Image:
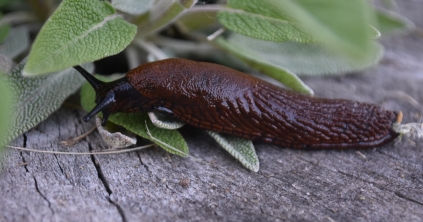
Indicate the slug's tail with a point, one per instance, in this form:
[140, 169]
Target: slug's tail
[99, 87]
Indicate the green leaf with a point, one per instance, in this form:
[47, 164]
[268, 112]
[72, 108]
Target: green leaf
[260, 20]
[78, 32]
[302, 59]
[242, 149]
[38, 97]
[341, 25]
[197, 20]
[170, 140]
[133, 7]
[16, 42]
[258, 7]
[6, 109]
[258, 59]
[165, 122]
[4, 32]
[140, 124]
[161, 14]
[4, 2]
[390, 22]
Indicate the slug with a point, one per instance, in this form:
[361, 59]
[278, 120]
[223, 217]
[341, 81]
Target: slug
[220, 99]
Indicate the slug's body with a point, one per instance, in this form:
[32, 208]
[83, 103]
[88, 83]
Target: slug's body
[217, 98]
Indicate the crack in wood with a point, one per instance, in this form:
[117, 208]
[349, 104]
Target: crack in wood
[402, 196]
[42, 195]
[106, 185]
[398, 194]
[24, 141]
[385, 154]
[21, 153]
[35, 180]
[60, 167]
[394, 157]
[142, 163]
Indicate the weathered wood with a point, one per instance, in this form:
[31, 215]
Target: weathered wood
[150, 185]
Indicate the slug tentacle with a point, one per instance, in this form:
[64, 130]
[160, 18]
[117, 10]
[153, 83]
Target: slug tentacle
[102, 106]
[95, 83]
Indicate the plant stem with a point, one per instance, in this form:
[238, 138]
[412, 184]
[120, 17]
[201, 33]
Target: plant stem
[205, 8]
[151, 48]
[19, 17]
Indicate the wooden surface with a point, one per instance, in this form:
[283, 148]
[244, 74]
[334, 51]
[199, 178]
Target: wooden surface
[383, 184]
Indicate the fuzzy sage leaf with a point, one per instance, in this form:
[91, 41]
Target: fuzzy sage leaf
[302, 59]
[262, 20]
[4, 32]
[78, 32]
[242, 149]
[165, 122]
[38, 97]
[161, 14]
[259, 61]
[335, 23]
[133, 7]
[6, 107]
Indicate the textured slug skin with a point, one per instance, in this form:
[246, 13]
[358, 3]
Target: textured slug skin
[221, 99]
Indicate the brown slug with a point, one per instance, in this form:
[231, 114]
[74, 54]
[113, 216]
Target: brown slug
[218, 98]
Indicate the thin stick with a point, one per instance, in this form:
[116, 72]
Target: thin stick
[215, 34]
[83, 153]
[19, 17]
[362, 155]
[77, 139]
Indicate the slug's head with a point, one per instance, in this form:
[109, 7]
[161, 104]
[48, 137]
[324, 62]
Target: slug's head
[111, 97]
